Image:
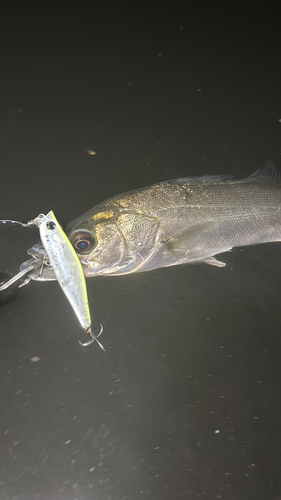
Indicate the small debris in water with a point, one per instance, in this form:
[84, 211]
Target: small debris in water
[35, 359]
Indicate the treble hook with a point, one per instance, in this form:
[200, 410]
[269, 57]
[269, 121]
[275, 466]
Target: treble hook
[94, 338]
[35, 264]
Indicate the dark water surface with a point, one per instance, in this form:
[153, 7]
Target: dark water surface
[186, 402]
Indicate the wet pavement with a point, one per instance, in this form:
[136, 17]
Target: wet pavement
[186, 402]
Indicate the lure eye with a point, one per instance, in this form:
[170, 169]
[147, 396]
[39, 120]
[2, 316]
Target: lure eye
[83, 242]
[51, 225]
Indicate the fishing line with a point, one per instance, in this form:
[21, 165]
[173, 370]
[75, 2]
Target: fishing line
[4, 221]
[33, 222]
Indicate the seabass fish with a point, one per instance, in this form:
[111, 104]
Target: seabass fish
[176, 222]
[179, 221]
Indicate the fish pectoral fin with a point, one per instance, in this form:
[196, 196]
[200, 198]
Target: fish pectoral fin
[198, 243]
[212, 261]
[193, 239]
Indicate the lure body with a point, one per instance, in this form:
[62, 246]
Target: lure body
[66, 266]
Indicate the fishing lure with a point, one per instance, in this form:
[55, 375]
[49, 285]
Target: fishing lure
[61, 256]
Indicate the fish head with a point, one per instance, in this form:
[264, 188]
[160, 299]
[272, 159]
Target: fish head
[113, 240]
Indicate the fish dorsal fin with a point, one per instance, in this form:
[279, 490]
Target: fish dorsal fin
[268, 173]
[203, 178]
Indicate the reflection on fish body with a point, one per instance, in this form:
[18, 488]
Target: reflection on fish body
[176, 222]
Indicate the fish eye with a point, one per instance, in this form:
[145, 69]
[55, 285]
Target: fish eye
[83, 241]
